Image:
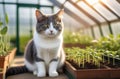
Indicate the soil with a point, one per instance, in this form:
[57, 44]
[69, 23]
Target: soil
[92, 66]
[110, 65]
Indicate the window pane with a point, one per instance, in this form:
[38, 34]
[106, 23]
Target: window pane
[11, 11]
[107, 14]
[67, 22]
[1, 13]
[116, 28]
[46, 10]
[71, 24]
[96, 32]
[75, 0]
[92, 2]
[61, 1]
[114, 5]
[105, 29]
[45, 2]
[1, 0]
[10, 0]
[27, 20]
[79, 13]
[88, 32]
[90, 11]
[28, 1]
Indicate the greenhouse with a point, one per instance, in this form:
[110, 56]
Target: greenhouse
[59, 39]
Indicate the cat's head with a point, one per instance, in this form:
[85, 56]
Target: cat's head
[49, 25]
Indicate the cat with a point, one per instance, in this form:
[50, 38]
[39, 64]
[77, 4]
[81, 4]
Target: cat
[44, 53]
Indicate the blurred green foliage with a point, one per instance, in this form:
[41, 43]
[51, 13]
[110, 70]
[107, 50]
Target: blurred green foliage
[71, 37]
[23, 42]
[110, 43]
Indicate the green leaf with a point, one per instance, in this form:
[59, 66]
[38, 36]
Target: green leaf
[1, 23]
[6, 18]
[4, 30]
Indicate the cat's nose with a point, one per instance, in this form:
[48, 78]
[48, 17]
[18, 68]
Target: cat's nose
[51, 31]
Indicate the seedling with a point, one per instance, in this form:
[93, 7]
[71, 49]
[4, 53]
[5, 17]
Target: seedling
[4, 38]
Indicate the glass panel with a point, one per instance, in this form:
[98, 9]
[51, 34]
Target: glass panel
[46, 10]
[28, 1]
[1, 0]
[105, 29]
[90, 11]
[27, 22]
[96, 32]
[116, 28]
[114, 5]
[79, 13]
[107, 14]
[11, 11]
[89, 33]
[56, 9]
[61, 1]
[26, 15]
[92, 2]
[75, 0]
[45, 2]
[71, 24]
[1, 13]
[10, 0]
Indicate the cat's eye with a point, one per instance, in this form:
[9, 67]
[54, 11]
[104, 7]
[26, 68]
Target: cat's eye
[57, 24]
[46, 25]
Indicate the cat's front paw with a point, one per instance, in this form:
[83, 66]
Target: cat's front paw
[41, 74]
[53, 74]
[35, 72]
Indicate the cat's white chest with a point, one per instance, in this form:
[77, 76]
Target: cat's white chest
[47, 49]
[47, 43]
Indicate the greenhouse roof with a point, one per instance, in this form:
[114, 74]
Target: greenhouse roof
[86, 12]
[91, 12]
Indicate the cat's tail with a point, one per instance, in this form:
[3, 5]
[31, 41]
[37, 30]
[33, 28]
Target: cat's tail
[16, 70]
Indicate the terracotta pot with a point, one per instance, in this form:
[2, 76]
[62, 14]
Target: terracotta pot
[106, 73]
[1, 75]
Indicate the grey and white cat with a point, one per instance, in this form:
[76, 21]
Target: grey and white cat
[44, 53]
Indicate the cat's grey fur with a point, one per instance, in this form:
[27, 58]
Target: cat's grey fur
[44, 53]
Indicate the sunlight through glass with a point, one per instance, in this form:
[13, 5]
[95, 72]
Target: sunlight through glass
[92, 2]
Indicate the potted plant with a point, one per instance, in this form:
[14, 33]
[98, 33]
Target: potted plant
[76, 40]
[6, 55]
[90, 63]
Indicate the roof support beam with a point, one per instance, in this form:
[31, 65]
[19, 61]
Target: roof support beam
[91, 17]
[118, 1]
[109, 9]
[95, 10]
[70, 13]
[26, 4]
[87, 14]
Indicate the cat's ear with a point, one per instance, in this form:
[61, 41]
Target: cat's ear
[39, 15]
[60, 13]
